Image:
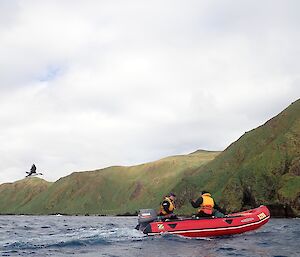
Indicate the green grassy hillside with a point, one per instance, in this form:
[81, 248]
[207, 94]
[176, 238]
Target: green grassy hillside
[15, 196]
[113, 190]
[262, 167]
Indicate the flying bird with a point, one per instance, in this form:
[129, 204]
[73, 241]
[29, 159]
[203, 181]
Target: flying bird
[32, 172]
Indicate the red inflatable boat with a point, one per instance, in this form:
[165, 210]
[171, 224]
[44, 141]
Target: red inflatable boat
[235, 223]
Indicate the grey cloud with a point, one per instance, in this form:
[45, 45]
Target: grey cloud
[89, 84]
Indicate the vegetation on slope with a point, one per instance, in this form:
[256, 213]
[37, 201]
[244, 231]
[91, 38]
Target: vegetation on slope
[14, 196]
[262, 167]
[113, 190]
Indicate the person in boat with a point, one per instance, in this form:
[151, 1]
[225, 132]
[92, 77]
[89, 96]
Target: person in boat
[167, 207]
[207, 206]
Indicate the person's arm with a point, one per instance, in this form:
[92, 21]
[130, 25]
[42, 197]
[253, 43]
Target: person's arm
[197, 203]
[218, 208]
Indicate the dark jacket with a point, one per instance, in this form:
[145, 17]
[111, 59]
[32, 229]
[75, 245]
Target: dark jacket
[166, 208]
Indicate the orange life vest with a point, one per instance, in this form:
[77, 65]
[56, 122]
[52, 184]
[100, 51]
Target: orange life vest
[171, 207]
[207, 204]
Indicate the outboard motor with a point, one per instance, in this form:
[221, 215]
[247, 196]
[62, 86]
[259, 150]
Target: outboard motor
[145, 217]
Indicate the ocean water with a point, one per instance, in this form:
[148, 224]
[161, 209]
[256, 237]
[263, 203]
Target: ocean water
[116, 236]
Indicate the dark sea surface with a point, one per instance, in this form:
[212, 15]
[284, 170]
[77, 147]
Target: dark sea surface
[116, 236]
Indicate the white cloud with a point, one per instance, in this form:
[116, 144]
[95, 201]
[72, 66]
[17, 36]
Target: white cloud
[88, 84]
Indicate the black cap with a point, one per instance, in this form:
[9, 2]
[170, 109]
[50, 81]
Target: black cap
[172, 194]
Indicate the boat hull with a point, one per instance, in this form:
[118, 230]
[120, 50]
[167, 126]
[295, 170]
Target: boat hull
[235, 223]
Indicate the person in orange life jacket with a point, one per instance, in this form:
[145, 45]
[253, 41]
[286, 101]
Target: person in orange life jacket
[207, 206]
[167, 207]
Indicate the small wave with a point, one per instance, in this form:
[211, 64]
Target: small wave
[180, 238]
[21, 246]
[226, 249]
[258, 233]
[78, 238]
[8, 253]
[79, 242]
[61, 244]
[27, 228]
[45, 227]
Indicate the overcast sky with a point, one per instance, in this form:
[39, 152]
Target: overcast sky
[90, 84]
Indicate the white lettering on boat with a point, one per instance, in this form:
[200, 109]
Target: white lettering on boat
[160, 226]
[261, 215]
[247, 220]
